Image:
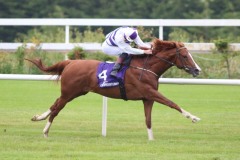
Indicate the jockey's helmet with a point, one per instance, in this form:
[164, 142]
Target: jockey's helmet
[130, 34]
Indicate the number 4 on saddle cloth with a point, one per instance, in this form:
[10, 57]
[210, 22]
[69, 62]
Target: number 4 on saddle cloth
[106, 80]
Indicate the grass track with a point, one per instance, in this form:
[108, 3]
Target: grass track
[76, 132]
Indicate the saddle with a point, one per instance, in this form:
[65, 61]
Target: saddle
[105, 80]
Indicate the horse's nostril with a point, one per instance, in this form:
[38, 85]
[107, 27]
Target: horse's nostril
[196, 70]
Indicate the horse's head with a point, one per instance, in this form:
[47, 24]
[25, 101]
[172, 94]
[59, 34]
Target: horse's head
[176, 54]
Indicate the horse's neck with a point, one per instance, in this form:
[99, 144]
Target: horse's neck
[159, 66]
[162, 61]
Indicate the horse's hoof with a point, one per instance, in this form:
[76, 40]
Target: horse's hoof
[196, 119]
[45, 135]
[35, 118]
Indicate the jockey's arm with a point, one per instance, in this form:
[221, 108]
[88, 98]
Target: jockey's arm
[141, 44]
[126, 48]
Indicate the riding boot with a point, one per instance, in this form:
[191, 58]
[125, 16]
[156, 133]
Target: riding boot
[118, 64]
[115, 69]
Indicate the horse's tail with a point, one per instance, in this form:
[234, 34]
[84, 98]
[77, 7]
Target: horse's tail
[55, 69]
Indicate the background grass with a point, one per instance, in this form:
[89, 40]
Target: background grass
[76, 132]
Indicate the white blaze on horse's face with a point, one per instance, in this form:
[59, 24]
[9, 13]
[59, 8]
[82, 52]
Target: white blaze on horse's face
[194, 62]
[187, 62]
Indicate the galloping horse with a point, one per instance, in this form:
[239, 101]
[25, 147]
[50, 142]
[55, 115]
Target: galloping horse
[78, 77]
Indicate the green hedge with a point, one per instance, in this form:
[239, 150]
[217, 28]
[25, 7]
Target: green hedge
[14, 63]
[213, 65]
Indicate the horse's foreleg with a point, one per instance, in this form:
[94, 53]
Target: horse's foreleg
[148, 113]
[189, 115]
[163, 100]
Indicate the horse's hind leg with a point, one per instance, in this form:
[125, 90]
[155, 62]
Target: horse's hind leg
[58, 106]
[44, 115]
[54, 110]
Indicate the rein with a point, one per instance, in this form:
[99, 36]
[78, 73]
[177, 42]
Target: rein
[143, 69]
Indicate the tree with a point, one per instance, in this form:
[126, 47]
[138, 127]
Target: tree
[222, 47]
[156, 9]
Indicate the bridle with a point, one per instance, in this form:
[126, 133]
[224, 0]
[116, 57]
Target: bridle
[178, 56]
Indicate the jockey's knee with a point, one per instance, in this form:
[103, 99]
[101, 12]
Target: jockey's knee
[124, 55]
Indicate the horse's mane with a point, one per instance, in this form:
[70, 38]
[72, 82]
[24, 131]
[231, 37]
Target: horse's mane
[160, 45]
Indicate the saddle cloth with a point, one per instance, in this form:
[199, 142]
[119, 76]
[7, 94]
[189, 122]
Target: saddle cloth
[105, 79]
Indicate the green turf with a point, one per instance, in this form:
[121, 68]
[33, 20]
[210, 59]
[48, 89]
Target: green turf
[76, 132]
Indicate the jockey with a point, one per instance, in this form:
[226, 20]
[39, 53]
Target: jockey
[118, 42]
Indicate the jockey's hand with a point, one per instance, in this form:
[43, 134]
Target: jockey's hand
[149, 51]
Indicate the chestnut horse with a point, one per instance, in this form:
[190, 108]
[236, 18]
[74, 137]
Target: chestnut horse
[78, 77]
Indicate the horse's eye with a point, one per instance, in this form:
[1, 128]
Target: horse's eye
[185, 57]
